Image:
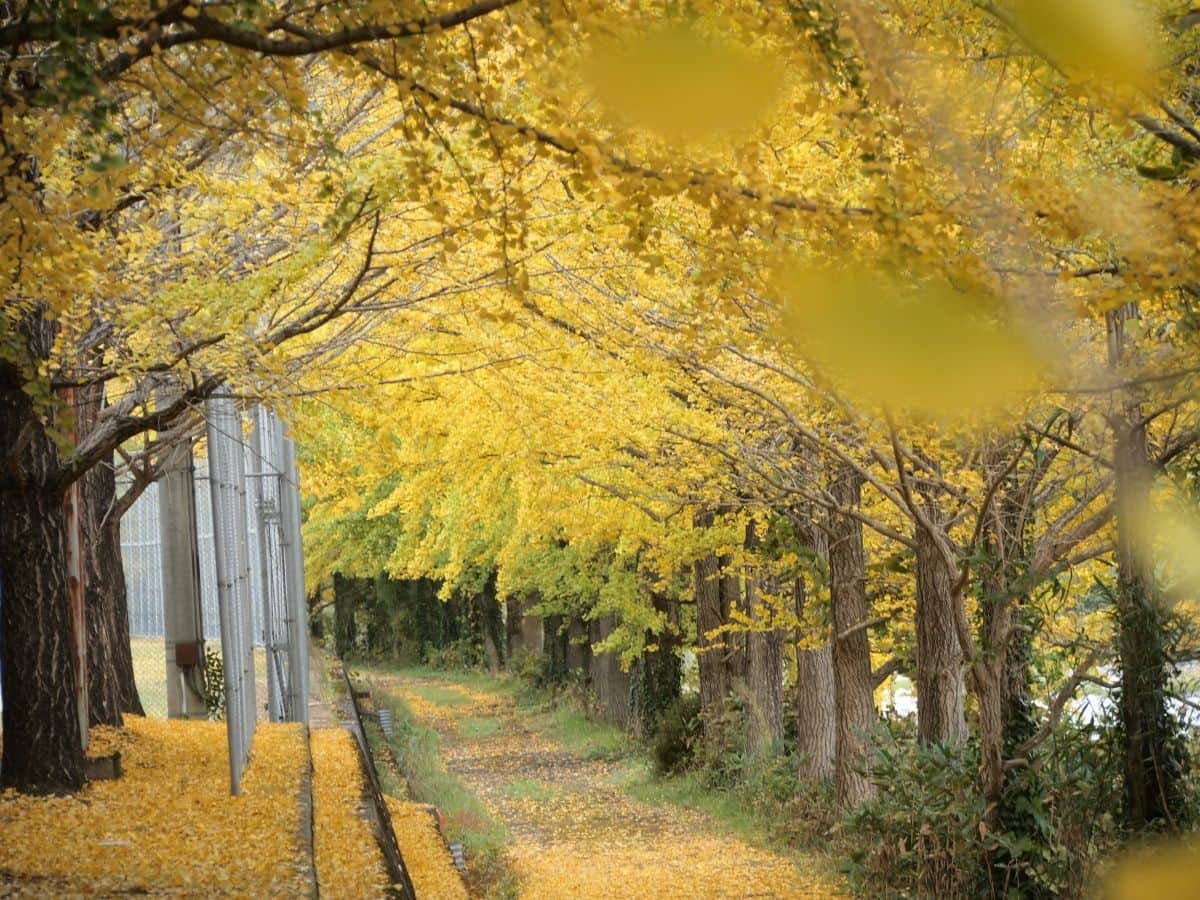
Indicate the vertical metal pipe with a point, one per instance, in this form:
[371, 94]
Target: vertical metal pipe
[227, 486]
[297, 598]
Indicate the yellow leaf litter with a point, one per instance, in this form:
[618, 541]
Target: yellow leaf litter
[169, 825]
[576, 834]
[425, 853]
[349, 863]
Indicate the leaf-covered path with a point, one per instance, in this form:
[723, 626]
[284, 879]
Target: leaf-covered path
[574, 831]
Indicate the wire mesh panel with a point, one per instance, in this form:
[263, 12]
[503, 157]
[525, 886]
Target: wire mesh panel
[141, 555]
[231, 551]
[141, 552]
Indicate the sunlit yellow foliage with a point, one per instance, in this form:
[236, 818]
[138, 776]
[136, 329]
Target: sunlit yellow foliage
[678, 80]
[906, 343]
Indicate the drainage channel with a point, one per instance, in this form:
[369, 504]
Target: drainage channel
[384, 833]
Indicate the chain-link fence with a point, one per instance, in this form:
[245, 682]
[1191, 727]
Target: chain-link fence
[141, 553]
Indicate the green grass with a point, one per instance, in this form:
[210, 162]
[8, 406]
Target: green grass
[479, 727]
[529, 789]
[442, 696]
[566, 722]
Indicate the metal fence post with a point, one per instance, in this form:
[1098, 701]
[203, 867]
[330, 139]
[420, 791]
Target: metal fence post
[227, 482]
[297, 621]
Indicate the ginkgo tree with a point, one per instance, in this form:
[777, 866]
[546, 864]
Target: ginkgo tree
[924, 270]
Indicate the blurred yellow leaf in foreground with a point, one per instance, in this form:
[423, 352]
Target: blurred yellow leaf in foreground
[1168, 870]
[682, 82]
[914, 346]
[1107, 40]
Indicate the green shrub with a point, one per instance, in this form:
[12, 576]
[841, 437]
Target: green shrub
[918, 837]
[528, 666]
[464, 653]
[214, 683]
[677, 736]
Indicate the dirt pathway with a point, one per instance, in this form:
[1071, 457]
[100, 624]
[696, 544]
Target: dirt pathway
[575, 832]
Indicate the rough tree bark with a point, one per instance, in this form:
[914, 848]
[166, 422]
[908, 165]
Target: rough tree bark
[735, 657]
[941, 688]
[554, 647]
[112, 688]
[490, 625]
[764, 668]
[43, 750]
[816, 707]
[658, 674]
[1153, 769]
[579, 650]
[853, 684]
[514, 619]
[1000, 677]
[609, 681]
[710, 651]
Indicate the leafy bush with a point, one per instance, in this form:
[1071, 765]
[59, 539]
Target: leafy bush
[918, 836]
[677, 736]
[926, 833]
[464, 653]
[214, 683]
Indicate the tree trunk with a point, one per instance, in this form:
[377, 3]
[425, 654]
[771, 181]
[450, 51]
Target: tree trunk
[1153, 768]
[43, 750]
[610, 683]
[816, 709]
[579, 651]
[737, 663]
[710, 650]
[940, 684]
[490, 624]
[764, 669]
[554, 646]
[853, 684]
[112, 689]
[345, 600]
[1001, 677]
[659, 673]
[514, 620]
